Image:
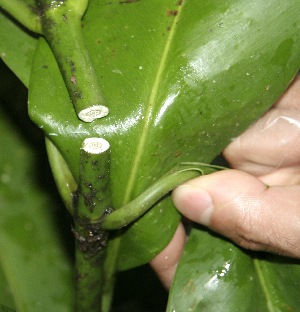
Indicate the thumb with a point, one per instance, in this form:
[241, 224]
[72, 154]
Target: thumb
[242, 208]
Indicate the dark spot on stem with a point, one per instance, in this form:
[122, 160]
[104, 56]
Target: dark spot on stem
[95, 164]
[107, 212]
[172, 12]
[40, 8]
[75, 199]
[89, 201]
[77, 95]
[72, 65]
[48, 24]
[91, 239]
[88, 185]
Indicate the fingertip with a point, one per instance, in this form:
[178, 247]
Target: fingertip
[194, 203]
[218, 200]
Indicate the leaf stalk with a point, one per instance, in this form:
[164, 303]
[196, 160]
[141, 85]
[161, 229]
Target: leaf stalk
[141, 204]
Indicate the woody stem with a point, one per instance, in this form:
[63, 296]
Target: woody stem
[92, 203]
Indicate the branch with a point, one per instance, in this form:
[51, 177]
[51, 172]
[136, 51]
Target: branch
[23, 13]
[61, 22]
[93, 202]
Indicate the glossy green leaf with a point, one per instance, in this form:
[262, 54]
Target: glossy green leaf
[215, 275]
[33, 255]
[17, 47]
[175, 76]
[181, 80]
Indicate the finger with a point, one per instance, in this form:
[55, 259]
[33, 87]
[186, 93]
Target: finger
[290, 99]
[269, 146]
[272, 143]
[165, 263]
[242, 208]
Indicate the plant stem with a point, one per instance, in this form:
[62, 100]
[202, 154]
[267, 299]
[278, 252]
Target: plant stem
[23, 13]
[93, 202]
[61, 22]
[137, 207]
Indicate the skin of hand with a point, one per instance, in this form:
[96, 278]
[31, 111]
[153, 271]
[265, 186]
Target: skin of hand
[256, 204]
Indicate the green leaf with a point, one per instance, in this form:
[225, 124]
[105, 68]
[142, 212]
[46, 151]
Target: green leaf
[5, 309]
[180, 79]
[6, 297]
[215, 275]
[33, 255]
[17, 48]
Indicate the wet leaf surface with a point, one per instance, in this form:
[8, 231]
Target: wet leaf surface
[181, 80]
[173, 84]
[215, 275]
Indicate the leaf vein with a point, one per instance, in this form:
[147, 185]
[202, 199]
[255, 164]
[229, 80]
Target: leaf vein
[151, 103]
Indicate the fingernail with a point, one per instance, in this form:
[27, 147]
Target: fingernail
[194, 203]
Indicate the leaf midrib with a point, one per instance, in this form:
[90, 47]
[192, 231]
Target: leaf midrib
[151, 104]
[264, 286]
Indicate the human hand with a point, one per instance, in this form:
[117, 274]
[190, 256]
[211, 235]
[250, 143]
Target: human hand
[257, 204]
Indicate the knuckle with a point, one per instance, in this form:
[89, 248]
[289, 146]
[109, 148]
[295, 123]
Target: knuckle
[247, 233]
[253, 232]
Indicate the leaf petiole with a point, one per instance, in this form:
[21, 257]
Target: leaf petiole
[23, 13]
[141, 204]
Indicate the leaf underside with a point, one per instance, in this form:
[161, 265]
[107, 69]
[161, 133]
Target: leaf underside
[215, 275]
[17, 53]
[171, 86]
[181, 80]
